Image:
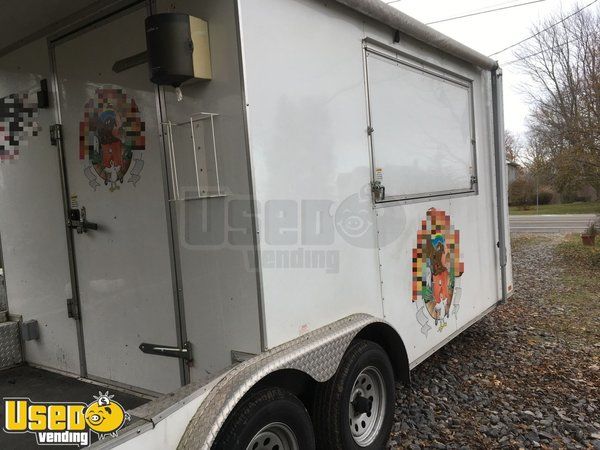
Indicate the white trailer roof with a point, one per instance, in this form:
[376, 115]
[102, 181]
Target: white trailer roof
[390, 16]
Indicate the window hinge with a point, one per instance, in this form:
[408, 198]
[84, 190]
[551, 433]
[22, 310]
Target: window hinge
[474, 180]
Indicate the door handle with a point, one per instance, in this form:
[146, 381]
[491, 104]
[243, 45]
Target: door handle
[78, 221]
[184, 352]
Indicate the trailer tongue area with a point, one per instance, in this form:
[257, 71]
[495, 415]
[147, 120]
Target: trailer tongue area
[30, 382]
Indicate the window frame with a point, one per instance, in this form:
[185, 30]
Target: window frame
[395, 56]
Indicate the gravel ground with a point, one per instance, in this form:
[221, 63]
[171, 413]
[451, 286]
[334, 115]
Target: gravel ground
[526, 376]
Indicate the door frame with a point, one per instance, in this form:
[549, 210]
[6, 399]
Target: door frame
[100, 17]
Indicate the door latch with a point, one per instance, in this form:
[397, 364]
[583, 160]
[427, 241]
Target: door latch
[78, 221]
[378, 190]
[164, 350]
[474, 181]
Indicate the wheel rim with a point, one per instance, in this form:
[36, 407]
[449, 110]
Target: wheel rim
[274, 436]
[367, 406]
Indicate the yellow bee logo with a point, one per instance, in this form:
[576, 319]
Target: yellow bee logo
[105, 416]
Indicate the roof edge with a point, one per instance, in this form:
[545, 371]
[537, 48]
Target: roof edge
[388, 15]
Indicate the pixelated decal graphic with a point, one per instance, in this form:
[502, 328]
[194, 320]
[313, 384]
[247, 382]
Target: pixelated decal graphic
[436, 271]
[111, 139]
[18, 114]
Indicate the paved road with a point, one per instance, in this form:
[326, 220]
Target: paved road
[564, 223]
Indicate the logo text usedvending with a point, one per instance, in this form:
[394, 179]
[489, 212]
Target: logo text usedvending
[65, 423]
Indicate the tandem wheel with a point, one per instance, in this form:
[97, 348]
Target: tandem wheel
[269, 419]
[355, 409]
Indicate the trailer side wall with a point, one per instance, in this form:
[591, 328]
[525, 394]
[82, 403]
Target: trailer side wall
[308, 116]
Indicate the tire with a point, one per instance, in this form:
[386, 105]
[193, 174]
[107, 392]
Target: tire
[271, 419]
[365, 423]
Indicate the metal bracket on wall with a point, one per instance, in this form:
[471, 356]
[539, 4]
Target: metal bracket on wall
[30, 330]
[201, 192]
[43, 96]
[239, 357]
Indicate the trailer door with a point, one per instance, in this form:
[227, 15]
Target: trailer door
[115, 179]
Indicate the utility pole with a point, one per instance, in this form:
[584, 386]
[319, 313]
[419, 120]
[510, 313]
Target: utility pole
[537, 194]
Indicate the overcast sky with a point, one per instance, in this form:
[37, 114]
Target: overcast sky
[489, 33]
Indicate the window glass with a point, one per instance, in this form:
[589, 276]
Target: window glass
[422, 130]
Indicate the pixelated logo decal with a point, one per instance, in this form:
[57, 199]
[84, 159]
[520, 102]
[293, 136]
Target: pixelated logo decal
[111, 139]
[18, 114]
[436, 271]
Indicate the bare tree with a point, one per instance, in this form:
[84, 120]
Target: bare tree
[513, 146]
[563, 64]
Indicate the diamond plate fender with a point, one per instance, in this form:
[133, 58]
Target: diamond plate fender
[317, 353]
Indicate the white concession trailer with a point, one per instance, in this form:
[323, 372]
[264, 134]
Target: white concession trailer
[306, 201]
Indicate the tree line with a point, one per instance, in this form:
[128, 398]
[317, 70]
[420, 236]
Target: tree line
[561, 149]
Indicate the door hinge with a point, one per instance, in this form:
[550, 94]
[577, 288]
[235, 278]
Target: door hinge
[72, 309]
[55, 133]
[165, 350]
[474, 181]
[370, 130]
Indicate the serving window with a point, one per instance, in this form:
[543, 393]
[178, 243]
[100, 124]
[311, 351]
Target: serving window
[421, 129]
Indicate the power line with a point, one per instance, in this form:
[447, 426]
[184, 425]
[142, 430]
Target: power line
[535, 54]
[545, 29]
[485, 12]
[495, 5]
